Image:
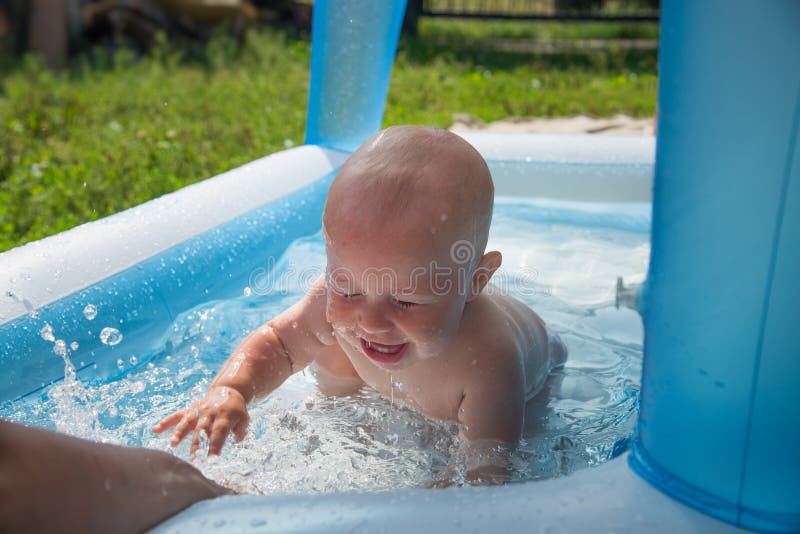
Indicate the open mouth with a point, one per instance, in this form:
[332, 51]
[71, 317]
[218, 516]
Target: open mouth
[383, 353]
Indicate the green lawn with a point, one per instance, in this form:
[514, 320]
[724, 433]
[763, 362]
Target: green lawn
[116, 130]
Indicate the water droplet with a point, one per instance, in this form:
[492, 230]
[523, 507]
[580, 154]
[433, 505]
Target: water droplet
[247, 291]
[120, 364]
[60, 347]
[110, 336]
[134, 360]
[74, 345]
[47, 333]
[90, 311]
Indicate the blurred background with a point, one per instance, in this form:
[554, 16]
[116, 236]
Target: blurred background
[105, 104]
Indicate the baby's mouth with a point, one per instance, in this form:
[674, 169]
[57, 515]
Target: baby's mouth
[383, 353]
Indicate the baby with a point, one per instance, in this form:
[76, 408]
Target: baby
[404, 307]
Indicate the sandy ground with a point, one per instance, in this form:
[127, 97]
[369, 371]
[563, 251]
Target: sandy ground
[617, 125]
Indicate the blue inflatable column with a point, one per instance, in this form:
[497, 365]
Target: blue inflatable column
[353, 48]
[720, 407]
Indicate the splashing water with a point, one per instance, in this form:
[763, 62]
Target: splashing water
[47, 333]
[60, 347]
[302, 441]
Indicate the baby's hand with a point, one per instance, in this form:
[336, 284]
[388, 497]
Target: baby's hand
[223, 410]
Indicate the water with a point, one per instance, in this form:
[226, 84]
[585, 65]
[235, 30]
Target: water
[300, 441]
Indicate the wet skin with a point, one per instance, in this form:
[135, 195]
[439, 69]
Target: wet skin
[51, 482]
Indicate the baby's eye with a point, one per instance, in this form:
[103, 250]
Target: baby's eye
[405, 304]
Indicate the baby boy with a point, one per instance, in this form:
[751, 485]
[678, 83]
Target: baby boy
[404, 307]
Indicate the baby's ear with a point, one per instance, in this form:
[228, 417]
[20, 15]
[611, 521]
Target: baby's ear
[489, 263]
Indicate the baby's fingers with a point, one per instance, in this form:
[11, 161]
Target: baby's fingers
[168, 422]
[219, 431]
[240, 428]
[183, 428]
[201, 426]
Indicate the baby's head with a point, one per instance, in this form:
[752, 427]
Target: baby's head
[406, 224]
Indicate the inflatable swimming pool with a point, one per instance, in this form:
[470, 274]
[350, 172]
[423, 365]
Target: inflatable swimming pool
[719, 427]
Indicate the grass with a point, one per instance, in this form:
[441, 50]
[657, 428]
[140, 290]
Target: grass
[509, 29]
[115, 130]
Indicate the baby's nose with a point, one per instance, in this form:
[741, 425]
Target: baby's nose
[373, 321]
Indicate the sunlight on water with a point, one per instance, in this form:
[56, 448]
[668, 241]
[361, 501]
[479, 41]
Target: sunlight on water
[301, 441]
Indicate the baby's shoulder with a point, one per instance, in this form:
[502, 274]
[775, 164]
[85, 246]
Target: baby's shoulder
[507, 330]
[490, 329]
[304, 326]
[488, 358]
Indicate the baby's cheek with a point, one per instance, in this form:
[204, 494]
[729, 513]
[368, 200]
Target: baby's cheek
[337, 312]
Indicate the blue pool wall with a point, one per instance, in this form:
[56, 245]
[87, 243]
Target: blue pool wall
[719, 423]
[143, 300]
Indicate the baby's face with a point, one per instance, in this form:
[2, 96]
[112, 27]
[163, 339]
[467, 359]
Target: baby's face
[395, 300]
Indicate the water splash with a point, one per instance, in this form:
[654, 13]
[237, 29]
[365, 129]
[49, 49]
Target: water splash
[60, 347]
[301, 441]
[47, 333]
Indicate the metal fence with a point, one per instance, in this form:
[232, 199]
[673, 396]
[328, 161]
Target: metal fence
[544, 10]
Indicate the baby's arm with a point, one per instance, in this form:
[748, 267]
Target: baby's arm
[491, 416]
[258, 366]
